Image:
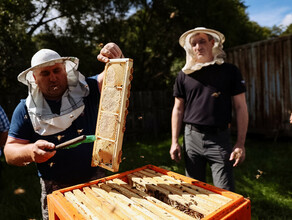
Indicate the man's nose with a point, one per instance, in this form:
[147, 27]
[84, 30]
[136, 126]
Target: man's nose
[197, 46]
[53, 77]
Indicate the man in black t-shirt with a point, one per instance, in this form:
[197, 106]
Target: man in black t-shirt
[204, 92]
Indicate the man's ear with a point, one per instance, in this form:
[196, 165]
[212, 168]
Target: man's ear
[213, 42]
[34, 76]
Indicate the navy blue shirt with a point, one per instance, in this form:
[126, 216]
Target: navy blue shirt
[207, 94]
[68, 165]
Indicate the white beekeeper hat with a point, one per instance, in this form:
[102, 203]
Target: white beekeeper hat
[44, 121]
[46, 57]
[218, 37]
[217, 50]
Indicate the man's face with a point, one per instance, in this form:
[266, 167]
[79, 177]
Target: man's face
[52, 80]
[202, 47]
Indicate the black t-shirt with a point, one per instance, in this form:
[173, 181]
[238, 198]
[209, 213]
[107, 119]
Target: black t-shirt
[207, 94]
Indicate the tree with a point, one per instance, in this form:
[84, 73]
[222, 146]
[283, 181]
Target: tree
[14, 42]
[149, 34]
[288, 30]
[26, 26]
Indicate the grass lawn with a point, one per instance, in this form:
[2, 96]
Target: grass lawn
[265, 177]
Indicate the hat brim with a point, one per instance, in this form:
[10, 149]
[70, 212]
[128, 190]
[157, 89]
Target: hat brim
[22, 77]
[214, 33]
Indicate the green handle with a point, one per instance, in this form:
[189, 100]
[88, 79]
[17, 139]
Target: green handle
[78, 141]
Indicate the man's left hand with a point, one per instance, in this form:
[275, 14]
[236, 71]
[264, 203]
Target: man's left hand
[238, 154]
[109, 51]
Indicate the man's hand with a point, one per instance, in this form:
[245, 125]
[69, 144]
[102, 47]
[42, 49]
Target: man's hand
[175, 152]
[109, 51]
[238, 154]
[291, 118]
[41, 151]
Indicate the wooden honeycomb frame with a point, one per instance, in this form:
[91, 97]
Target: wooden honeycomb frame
[112, 113]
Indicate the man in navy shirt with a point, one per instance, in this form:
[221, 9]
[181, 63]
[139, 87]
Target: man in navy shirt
[61, 105]
[204, 92]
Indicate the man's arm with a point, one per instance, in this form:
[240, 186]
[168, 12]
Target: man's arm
[240, 106]
[176, 123]
[20, 152]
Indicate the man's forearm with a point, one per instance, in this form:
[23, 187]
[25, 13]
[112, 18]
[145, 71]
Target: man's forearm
[242, 125]
[176, 123]
[18, 154]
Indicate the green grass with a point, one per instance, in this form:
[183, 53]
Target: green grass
[14, 203]
[270, 192]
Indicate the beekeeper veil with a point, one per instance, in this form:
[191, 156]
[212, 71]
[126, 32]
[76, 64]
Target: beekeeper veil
[218, 53]
[44, 121]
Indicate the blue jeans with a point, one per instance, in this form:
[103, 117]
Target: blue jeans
[213, 148]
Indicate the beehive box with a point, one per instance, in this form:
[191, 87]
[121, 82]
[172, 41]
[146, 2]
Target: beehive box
[148, 192]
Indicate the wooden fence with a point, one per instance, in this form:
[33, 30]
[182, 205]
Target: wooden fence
[149, 114]
[267, 69]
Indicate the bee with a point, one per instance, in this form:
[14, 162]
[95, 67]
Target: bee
[216, 94]
[51, 164]
[19, 191]
[59, 137]
[172, 15]
[259, 175]
[79, 131]
[260, 172]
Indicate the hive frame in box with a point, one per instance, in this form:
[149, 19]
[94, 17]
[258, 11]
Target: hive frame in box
[237, 208]
[107, 150]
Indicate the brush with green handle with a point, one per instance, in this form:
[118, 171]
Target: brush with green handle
[75, 142]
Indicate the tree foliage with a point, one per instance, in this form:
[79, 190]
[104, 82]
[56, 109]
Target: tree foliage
[146, 30]
[288, 30]
[13, 38]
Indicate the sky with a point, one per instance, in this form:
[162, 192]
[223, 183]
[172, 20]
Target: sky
[270, 12]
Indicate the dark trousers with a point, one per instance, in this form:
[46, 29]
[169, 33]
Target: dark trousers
[214, 148]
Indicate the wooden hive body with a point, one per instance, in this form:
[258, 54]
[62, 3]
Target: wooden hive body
[148, 192]
[111, 120]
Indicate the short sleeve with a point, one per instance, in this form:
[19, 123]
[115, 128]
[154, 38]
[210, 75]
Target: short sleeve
[238, 84]
[21, 126]
[178, 88]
